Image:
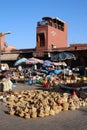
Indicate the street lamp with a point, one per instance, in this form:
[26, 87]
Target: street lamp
[1, 35]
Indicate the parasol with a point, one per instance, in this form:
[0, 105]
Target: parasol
[33, 61]
[47, 63]
[63, 56]
[59, 63]
[20, 61]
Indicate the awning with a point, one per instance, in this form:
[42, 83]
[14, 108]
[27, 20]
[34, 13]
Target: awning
[9, 57]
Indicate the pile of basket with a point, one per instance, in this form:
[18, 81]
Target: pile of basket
[39, 103]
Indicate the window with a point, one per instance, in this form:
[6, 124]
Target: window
[41, 39]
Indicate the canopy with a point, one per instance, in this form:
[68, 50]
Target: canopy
[63, 56]
[33, 61]
[9, 57]
[47, 63]
[20, 61]
[59, 63]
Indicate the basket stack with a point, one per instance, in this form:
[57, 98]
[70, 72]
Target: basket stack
[39, 103]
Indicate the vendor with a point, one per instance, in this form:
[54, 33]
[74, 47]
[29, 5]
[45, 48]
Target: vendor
[6, 84]
[3, 67]
[54, 71]
[20, 68]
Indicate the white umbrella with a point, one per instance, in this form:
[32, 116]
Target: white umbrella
[33, 61]
[59, 63]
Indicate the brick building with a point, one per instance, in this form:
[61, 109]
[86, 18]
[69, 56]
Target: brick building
[51, 33]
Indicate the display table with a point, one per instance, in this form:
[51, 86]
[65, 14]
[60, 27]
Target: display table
[75, 86]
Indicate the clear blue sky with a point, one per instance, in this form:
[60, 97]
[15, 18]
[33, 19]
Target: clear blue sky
[20, 17]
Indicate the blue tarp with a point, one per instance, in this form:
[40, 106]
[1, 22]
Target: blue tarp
[51, 71]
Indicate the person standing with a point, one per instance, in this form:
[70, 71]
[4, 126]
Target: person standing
[20, 68]
[3, 67]
[35, 67]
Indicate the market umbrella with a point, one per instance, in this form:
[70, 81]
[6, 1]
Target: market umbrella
[63, 56]
[59, 63]
[20, 61]
[47, 63]
[33, 61]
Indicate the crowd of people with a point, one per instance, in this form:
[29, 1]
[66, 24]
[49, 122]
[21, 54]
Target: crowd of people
[48, 76]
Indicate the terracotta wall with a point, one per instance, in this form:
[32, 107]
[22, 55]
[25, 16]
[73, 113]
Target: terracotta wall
[57, 37]
[3, 47]
[2, 41]
[80, 46]
[52, 36]
[39, 30]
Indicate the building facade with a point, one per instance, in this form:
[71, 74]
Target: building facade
[51, 38]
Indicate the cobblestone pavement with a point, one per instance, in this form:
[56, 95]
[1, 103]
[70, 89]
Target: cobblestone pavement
[69, 120]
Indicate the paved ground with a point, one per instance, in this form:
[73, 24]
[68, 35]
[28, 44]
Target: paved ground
[70, 120]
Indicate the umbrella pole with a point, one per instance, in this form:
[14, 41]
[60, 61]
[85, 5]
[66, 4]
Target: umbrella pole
[64, 71]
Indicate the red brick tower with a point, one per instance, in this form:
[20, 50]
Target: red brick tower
[51, 33]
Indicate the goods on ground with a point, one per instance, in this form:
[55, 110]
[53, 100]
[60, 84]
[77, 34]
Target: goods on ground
[39, 103]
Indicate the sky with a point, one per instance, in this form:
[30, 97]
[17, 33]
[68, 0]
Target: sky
[20, 17]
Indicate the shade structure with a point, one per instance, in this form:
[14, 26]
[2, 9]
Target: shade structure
[63, 56]
[59, 64]
[47, 63]
[33, 61]
[20, 61]
[9, 57]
